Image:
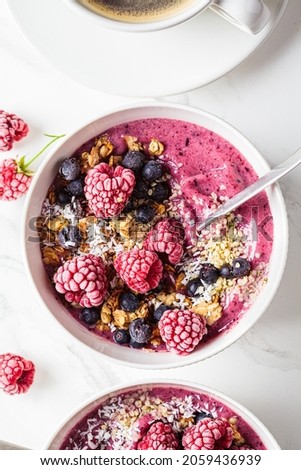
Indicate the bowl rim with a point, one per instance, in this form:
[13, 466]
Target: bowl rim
[250, 418]
[281, 257]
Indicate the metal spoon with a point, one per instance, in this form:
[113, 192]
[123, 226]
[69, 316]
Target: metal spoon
[250, 191]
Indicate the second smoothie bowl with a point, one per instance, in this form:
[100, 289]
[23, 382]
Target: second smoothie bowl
[112, 242]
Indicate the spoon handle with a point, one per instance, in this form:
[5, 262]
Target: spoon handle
[250, 191]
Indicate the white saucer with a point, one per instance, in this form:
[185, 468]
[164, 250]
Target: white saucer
[153, 64]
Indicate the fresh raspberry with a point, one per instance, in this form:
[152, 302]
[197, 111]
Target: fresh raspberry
[83, 280]
[12, 128]
[182, 330]
[13, 182]
[108, 189]
[160, 436]
[16, 373]
[208, 434]
[141, 270]
[166, 237]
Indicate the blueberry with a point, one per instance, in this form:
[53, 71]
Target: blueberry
[159, 312]
[140, 190]
[160, 192]
[69, 237]
[152, 170]
[63, 197]
[145, 214]
[128, 207]
[200, 415]
[133, 160]
[241, 267]
[192, 287]
[209, 273]
[226, 271]
[136, 345]
[69, 169]
[129, 302]
[140, 330]
[121, 336]
[76, 188]
[90, 315]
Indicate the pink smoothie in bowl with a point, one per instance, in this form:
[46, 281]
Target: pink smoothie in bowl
[199, 170]
[125, 267]
[163, 416]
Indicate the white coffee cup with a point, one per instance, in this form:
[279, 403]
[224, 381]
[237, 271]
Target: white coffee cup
[249, 15]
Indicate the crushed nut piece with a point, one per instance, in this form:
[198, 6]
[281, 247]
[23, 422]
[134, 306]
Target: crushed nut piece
[94, 157]
[57, 224]
[84, 161]
[212, 311]
[179, 279]
[237, 437]
[52, 255]
[84, 247]
[167, 299]
[51, 195]
[106, 314]
[132, 142]
[155, 147]
[102, 326]
[125, 226]
[46, 235]
[160, 209]
[169, 269]
[84, 224]
[141, 312]
[185, 422]
[110, 305]
[115, 160]
[156, 339]
[40, 222]
[120, 318]
[104, 146]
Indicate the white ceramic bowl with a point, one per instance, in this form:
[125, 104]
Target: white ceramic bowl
[38, 277]
[80, 412]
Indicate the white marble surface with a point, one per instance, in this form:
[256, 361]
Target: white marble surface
[262, 370]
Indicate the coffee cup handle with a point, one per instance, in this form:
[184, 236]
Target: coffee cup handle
[249, 15]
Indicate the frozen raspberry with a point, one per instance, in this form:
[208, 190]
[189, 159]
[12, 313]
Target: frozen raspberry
[182, 330]
[166, 237]
[6, 138]
[108, 189]
[12, 128]
[160, 436]
[83, 280]
[208, 434]
[13, 182]
[141, 270]
[16, 373]
[15, 176]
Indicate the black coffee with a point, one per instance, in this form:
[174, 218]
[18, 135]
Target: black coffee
[136, 11]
